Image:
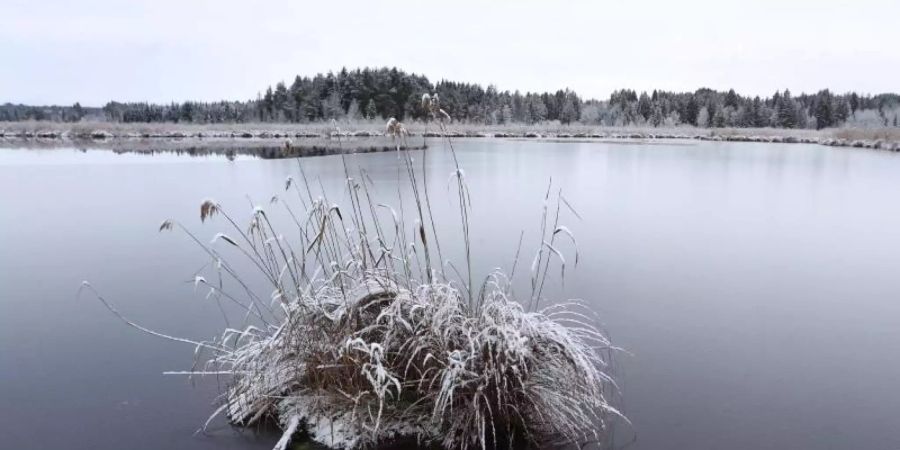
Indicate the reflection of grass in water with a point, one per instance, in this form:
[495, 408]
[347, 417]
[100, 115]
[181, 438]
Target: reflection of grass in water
[366, 335]
[302, 441]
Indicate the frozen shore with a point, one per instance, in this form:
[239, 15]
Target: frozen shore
[368, 135]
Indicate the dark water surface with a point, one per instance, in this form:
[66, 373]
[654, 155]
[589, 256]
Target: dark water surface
[757, 286]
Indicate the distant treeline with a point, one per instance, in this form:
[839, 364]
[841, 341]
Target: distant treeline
[75, 113]
[377, 94]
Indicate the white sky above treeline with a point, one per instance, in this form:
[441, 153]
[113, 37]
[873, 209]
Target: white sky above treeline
[93, 51]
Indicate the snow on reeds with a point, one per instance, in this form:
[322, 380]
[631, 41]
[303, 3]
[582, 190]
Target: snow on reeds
[364, 338]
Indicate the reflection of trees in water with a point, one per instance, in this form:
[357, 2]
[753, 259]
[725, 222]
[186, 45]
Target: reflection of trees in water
[227, 148]
[266, 152]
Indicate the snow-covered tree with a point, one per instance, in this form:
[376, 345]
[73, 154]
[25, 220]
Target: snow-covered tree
[353, 112]
[371, 110]
[568, 114]
[703, 118]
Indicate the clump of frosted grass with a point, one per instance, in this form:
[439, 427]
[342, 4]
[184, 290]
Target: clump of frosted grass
[364, 339]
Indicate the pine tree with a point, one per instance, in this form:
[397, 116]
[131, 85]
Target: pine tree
[854, 103]
[506, 114]
[77, 112]
[371, 110]
[712, 110]
[568, 114]
[731, 99]
[279, 101]
[755, 114]
[691, 111]
[719, 120]
[786, 111]
[841, 111]
[538, 109]
[268, 104]
[645, 107]
[823, 111]
[657, 117]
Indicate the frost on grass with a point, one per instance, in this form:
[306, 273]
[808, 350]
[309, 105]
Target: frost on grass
[387, 360]
[363, 339]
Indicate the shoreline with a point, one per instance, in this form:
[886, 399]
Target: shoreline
[370, 135]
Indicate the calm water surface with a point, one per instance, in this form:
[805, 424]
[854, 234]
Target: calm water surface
[756, 286]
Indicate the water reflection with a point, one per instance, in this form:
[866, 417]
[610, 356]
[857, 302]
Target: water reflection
[754, 284]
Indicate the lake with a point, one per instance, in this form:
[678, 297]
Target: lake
[754, 286]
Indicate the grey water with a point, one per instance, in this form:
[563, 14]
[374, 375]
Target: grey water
[755, 287]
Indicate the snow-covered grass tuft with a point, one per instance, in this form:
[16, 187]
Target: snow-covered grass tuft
[363, 339]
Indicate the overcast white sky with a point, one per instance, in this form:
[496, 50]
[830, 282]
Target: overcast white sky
[93, 51]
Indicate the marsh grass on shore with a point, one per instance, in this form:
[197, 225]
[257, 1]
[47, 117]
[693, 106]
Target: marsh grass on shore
[362, 129]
